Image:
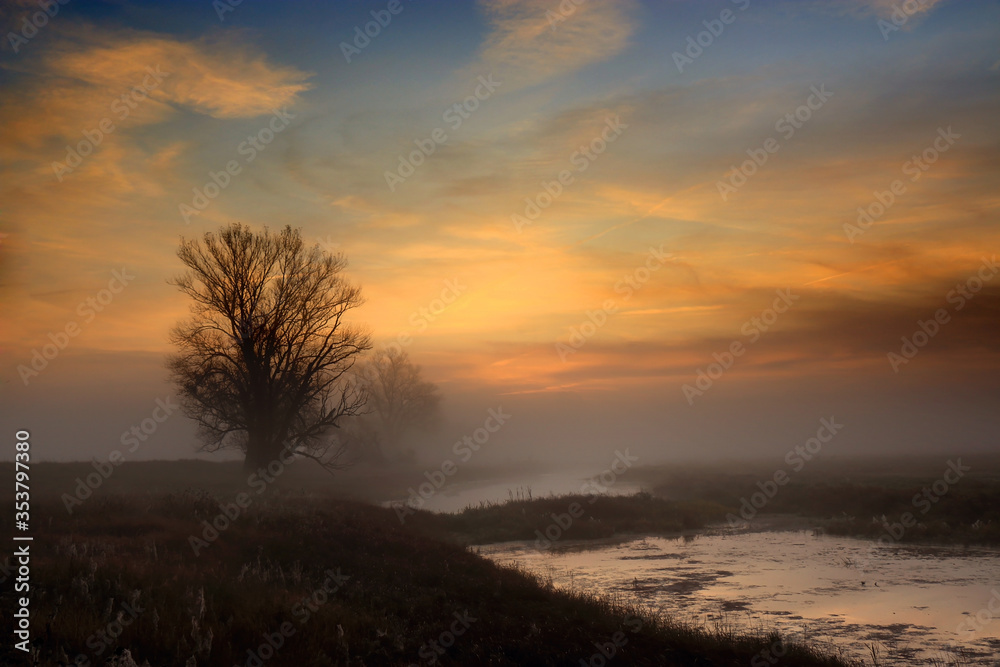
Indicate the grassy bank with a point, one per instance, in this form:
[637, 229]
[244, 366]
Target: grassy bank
[579, 517]
[332, 582]
[851, 498]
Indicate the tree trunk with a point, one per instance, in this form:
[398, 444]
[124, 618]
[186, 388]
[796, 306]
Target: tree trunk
[261, 452]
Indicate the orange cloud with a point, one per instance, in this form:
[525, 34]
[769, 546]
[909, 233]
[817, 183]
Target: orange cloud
[138, 79]
[74, 222]
[220, 79]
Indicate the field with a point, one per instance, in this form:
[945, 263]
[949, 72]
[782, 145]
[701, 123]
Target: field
[922, 499]
[293, 577]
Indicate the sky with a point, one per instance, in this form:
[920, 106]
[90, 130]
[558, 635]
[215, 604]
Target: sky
[690, 228]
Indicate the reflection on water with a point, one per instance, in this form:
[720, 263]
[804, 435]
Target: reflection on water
[923, 605]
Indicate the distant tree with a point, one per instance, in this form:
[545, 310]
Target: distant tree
[400, 400]
[263, 362]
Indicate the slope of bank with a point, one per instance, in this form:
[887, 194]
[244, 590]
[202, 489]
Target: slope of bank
[180, 580]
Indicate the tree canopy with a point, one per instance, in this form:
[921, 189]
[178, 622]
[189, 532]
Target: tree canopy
[263, 362]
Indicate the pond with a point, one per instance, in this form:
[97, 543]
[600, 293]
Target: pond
[919, 605]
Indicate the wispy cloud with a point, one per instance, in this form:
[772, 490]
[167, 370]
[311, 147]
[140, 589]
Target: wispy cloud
[61, 96]
[885, 8]
[79, 79]
[220, 78]
[533, 40]
[880, 8]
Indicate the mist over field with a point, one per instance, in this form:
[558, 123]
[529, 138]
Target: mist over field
[744, 417]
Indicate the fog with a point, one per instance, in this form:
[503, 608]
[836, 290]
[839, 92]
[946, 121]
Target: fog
[87, 402]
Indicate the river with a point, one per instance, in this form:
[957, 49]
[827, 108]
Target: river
[918, 605]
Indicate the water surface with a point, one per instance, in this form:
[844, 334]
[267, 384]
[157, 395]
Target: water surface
[918, 604]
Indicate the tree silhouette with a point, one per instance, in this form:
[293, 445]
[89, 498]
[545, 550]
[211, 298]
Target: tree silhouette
[263, 361]
[399, 398]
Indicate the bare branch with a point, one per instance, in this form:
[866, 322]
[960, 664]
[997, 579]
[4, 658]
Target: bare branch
[264, 359]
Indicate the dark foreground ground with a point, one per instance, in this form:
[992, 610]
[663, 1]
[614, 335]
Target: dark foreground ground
[190, 577]
[299, 581]
[136, 570]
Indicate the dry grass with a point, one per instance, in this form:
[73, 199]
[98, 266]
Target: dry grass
[406, 583]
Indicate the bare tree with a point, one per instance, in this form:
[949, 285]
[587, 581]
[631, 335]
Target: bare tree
[263, 362]
[399, 398]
